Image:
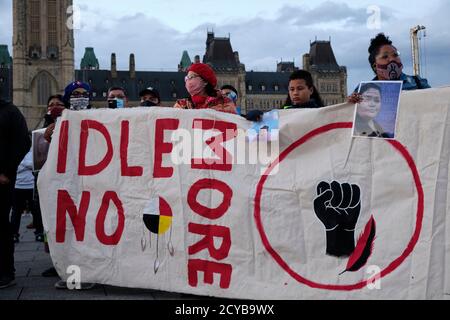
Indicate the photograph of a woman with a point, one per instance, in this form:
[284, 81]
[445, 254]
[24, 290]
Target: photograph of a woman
[376, 114]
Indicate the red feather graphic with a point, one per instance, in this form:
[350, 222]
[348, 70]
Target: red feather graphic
[364, 248]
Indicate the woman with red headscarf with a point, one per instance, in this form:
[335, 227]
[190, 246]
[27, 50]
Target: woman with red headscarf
[201, 83]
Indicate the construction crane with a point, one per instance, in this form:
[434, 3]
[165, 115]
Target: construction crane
[416, 48]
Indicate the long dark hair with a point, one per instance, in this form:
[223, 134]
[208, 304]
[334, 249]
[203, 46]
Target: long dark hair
[210, 90]
[305, 75]
[367, 86]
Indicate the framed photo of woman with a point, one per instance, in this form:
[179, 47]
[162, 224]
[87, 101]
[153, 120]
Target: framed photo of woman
[376, 115]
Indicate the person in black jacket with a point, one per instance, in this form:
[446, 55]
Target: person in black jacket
[302, 92]
[14, 145]
[302, 95]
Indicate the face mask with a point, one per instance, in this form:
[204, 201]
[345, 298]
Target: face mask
[79, 103]
[391, 71]
[232, 96]
[56, 112]
[120, 103]
[195, 86]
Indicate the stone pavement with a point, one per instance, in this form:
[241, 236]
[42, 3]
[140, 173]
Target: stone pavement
[31, 260]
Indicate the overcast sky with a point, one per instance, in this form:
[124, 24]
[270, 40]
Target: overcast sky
[263, 31]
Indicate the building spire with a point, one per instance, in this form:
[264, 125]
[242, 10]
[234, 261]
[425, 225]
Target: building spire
[89, 61]
[5, 58]
[113, 66]
[185, 62]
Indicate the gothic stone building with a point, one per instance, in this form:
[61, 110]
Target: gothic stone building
[5, 73]
[43, 64]
[257, 90]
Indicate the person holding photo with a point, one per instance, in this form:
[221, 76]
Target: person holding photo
[386, 63]
[368, 109]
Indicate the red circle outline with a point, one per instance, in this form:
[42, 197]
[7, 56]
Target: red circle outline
[394, 265]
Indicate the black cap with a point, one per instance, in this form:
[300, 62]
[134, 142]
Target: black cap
[150, 90]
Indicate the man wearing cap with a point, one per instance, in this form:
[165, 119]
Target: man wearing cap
[77, 96]
[201, 82]
[150, 97]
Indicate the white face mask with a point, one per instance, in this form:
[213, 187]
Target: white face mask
[77, 104]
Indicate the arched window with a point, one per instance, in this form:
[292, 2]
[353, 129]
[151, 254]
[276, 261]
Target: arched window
[52, 23]
[35, 25]
[44, 88]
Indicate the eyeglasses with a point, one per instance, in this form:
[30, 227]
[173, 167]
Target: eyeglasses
[79, 95]
[387, 55]
[190, 77]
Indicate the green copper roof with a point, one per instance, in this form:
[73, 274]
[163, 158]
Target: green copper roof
[5, 58]
[89, 60]
[185, 60]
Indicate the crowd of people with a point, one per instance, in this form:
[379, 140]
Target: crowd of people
[17, 181]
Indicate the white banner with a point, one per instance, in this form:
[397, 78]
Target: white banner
[140, 198]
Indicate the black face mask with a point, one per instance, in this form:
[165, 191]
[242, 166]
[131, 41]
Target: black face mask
[148, 104]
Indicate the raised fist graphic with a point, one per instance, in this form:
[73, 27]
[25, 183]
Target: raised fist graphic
[338, 207]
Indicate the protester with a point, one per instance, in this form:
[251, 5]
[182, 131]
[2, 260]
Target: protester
[76, 97]
[232, 93]
[201, 82]
[387, 65]
[23, 195]
[302, 92]
[55, 107]
[117, 98]
[150, 97]
[14, 145]
[302, 95]
[368, 109]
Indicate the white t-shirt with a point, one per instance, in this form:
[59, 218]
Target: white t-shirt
[25, 178]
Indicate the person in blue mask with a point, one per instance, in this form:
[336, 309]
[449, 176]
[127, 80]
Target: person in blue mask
[117, 98]
[232, 94]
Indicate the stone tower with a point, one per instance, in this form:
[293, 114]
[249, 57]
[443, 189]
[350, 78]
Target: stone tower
[43, 53]
[329, 77]
[227, 65]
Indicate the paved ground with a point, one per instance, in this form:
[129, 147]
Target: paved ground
[31, 260]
